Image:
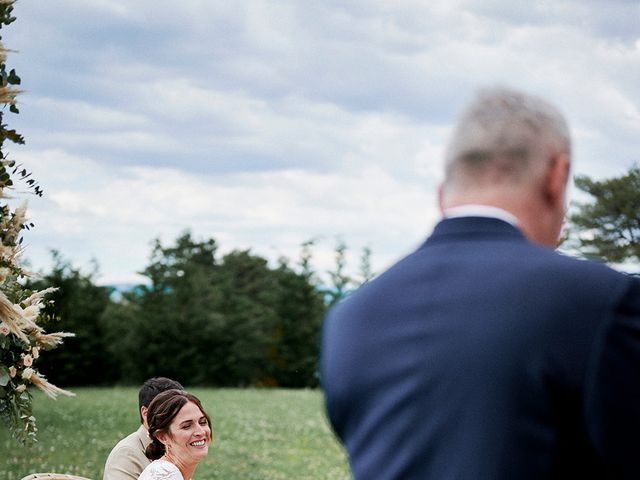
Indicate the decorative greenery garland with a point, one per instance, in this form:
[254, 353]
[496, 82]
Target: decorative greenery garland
[21, 337]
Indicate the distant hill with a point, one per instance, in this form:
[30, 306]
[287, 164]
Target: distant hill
[120, 288]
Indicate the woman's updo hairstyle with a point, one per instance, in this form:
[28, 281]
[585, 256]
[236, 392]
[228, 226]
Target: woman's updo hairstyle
[162, 410]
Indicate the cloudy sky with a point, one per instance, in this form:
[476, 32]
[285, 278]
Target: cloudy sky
[265, 123]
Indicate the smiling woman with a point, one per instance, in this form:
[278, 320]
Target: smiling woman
[181, 432]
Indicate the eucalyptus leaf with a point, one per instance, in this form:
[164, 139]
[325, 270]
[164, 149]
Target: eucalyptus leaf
[5, 378]
[13, 78]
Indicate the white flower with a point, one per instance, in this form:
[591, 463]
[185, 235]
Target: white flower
[12, 371]
[4, 329]
[27, 373]
[35, 351]
[21, 388]
[27, 360]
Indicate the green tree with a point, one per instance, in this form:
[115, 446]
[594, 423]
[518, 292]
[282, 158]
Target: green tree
[166, 327]
[204, 320]
[299, 309]
[341, 281]
[608, 227]
[78, 305]
[366, 271]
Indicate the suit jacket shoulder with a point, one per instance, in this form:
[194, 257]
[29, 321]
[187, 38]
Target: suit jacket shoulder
[127, 459]
[495, 355]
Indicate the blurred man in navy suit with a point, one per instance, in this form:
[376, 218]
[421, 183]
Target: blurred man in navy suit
[485, 354]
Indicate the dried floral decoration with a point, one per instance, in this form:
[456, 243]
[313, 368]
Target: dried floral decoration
[22, 338]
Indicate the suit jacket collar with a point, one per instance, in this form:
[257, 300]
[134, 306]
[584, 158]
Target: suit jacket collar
[143, 436]
[467, 228]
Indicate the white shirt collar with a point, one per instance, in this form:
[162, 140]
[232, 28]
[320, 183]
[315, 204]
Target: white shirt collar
[474, 210]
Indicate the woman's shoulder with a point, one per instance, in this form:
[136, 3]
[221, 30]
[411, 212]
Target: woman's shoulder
[161, 470]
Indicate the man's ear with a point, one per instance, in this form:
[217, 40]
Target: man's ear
[556, 179]
[441, 198]
[143, 414]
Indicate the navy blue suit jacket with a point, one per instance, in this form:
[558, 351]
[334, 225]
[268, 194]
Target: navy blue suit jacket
[484, 356]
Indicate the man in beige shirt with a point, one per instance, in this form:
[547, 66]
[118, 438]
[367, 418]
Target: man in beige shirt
[127, 459]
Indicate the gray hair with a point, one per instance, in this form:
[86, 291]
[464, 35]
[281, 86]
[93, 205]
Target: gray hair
[507, 132]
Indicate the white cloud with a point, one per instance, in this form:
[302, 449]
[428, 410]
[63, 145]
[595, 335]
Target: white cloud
[265, 123]
[123, 209]
[82, 115]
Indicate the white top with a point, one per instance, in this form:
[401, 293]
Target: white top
[473, 210]
[161, 470]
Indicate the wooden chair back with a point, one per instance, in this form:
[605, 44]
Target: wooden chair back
[53, 476]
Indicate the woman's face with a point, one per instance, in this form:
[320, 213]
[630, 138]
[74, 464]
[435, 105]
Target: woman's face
[189, 435]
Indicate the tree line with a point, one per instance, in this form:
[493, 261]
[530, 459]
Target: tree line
[234, 320]
[201, 317]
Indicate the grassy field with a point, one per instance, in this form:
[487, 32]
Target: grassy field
[260, 434]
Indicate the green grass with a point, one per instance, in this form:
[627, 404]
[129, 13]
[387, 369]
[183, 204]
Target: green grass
[260, 434]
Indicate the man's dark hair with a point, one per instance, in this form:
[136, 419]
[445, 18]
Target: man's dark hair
[153, 387]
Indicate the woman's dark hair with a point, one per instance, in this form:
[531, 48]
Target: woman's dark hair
[162, 410]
